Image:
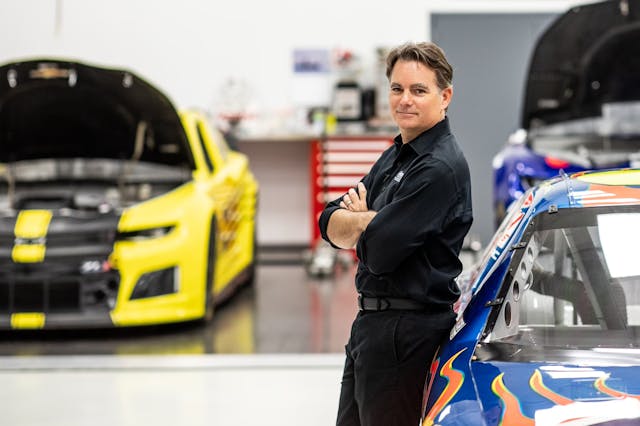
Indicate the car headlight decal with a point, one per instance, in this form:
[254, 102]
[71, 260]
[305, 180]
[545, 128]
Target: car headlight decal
[156, 283]
[144, 234]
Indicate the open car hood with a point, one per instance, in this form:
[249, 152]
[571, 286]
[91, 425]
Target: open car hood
[588, 57]
[52, 108]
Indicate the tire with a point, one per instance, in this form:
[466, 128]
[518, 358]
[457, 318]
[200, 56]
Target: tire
[209, 303]
[251, 278]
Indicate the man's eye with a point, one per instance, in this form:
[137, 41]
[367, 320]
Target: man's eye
[396, 90]
[419, 91]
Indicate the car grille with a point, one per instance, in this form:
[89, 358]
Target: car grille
[75, 276]
[33, 292]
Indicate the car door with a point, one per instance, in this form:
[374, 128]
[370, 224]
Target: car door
[225, 188]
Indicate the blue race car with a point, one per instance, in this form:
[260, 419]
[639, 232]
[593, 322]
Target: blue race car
[581, 108]
[548, 328]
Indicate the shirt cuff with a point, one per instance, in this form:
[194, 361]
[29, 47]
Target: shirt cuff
[323, 223]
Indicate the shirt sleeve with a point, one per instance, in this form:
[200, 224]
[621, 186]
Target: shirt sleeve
[331, 207]
[323, 220]
[417, 209]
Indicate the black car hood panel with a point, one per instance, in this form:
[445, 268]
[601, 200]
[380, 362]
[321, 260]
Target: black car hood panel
[60, 109]
[589, 56]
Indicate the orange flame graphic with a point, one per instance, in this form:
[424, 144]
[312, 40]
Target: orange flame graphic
[455, 379]
[537, 385]
[432, 376]
[512, 415]
[602, 387]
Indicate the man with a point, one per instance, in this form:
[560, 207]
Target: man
[407, 219]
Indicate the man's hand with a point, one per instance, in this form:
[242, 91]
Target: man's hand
[347, 224]
[355, 201]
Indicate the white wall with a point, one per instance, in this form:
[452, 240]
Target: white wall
[190, 47]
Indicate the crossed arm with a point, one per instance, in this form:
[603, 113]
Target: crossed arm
[347, 224]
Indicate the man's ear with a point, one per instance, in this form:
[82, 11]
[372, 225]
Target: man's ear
[446, 94]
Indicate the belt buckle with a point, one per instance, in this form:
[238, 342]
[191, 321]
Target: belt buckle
[382, 304]
[379, 306]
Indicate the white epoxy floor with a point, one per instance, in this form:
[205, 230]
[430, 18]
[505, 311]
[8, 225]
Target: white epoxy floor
[272, 356]
[220, 390]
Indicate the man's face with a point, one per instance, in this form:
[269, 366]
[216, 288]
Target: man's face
[416, 102]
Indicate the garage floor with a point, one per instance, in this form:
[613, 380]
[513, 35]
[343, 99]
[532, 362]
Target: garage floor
[286, 311]
[272, 356]
[169, 390]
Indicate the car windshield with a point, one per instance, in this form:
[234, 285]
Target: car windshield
[575, 282]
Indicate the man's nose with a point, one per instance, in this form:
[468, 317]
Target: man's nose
[406, 97]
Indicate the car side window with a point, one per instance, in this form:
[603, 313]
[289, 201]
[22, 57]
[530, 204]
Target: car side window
[223, 147]
[575, 280]
[205, 152]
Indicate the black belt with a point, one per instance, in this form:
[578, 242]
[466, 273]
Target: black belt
[385, 303]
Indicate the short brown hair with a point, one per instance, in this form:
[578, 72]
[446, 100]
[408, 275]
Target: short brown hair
[427, 53]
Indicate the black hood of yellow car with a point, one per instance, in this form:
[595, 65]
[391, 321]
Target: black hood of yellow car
[588, 57]
[52, 108]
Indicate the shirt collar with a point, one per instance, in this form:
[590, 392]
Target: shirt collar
[425, 142]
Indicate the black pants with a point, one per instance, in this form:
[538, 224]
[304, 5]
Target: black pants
[388, 357]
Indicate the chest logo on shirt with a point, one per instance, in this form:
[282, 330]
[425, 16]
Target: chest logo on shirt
[398, 176]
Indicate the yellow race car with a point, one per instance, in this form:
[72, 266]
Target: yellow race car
[115, 209]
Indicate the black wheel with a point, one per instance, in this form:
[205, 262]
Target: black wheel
[251, 276]
[211, 267]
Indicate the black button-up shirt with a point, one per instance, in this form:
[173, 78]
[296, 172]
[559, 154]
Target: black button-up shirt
[421, 192]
